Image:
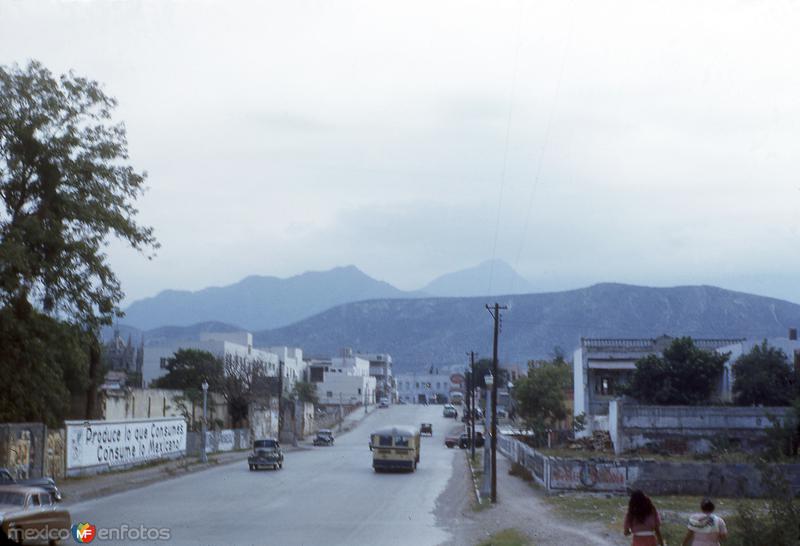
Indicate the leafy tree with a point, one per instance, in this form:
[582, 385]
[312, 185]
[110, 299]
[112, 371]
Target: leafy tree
[65, 188]
[763, 377]
[540, 395]
[684, 375]
[305, 392]
[188, 368]
[44, 362]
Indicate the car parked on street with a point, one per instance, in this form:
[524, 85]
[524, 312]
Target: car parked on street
[266, 452]
[30, 513]
[324, 437]
[48, 484]
[450, 411]
[384, 403]
[426, 428]
[451, 441]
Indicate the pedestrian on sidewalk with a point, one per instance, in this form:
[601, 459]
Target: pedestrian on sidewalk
[642, 521]
[706, 528]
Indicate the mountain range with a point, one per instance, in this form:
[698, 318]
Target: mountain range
[419, 331]
[260, 302]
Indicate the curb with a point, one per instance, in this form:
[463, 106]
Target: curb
[474, 479]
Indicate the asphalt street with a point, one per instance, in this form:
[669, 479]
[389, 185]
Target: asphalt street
[323, 495]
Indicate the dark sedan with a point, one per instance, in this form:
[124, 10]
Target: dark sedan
[266, 453]
[31, 514]
[48, 484]
[324, 438]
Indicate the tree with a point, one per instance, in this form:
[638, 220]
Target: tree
[306, 391]
[684, 375]
[763, 377]
[540, 395]
[188, 368]
[65, 188]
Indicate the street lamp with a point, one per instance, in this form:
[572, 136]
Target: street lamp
[203, 455]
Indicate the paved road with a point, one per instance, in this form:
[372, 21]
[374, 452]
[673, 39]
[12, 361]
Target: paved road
[322, 496]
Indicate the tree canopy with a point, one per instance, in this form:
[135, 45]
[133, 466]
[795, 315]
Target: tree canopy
[763, 376]
[540, 394]
[65, 188]
[188, 368]
[684, 375]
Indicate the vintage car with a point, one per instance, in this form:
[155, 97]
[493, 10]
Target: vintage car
[324, 438]
[31, 514]
[48, 484]
[384, 403]
[450, 411]
[451, 441]
[426, 428]
[266, 452]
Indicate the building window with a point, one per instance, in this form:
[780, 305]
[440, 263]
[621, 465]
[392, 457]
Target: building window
[329, 394]
[605, 386]
[417, 384]
[359, 391]
[163, 363]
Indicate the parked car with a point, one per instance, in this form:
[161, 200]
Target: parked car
[384, 403]
[426, 428]
[463, 440]
[477, 413]
[266, 452]
[324, 438]
[451, 441]
[28, 509]
[450, 411]
[48, 484]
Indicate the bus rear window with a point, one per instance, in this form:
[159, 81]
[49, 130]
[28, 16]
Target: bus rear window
[385, 441]
[401, 441]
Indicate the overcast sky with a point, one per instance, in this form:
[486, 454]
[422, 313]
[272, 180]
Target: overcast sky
[651, 142]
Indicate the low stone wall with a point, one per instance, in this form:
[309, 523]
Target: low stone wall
[653, 477]
[23, 449]
[690, 429]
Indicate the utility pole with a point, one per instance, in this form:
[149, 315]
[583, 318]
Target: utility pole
[280, 399]
[495, 312]
[471, 402]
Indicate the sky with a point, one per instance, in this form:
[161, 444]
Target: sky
[653, 143]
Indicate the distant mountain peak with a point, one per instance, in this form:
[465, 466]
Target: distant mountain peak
[488, 277]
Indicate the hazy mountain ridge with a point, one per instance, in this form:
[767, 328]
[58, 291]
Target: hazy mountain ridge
[440, 330]
[491, 276]
[258, 302]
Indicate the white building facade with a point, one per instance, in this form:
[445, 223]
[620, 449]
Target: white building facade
[343, 380]
[418, 388]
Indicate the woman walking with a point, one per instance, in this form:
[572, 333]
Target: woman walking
[642, 521]
[706, 529]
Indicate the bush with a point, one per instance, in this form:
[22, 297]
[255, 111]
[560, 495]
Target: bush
[778, 524]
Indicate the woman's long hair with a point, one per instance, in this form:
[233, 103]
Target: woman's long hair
[640, 506]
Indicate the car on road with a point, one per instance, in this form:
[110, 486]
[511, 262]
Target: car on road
[426, 428]
[451, 441]
[30, 513]
[450, 411]
[266, 452]
[48, 484]
[463, 440]
[384, 403]
[476, 412]
[324, 437]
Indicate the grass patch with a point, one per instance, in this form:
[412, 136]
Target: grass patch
[674, 510]
[507, 537]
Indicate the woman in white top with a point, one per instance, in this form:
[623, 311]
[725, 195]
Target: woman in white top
[706, 529]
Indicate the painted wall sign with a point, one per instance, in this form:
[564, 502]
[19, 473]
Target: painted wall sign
[123, 443]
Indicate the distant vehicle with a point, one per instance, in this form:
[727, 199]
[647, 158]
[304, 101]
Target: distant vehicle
[502, 413]
[266, 452]
[48, 484]
[451, 441]
[401, 401]
[384, 403]
[27, 509]
[456, 398]
[450, 411]
[426, 428]
[395, 448]
[324, 437]
[463, 440]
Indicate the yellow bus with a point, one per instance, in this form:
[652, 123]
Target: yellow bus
[395, 448]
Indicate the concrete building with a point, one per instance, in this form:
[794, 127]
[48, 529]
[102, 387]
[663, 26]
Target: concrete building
[343, 380]
[601, 366]
[380, 367]
[416, 388]
[234, 348]
[294, 367]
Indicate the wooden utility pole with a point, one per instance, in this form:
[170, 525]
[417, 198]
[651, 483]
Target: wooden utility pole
[495, 312]
[471, 402]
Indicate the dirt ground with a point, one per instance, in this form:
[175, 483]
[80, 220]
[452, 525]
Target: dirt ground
[520, 507]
